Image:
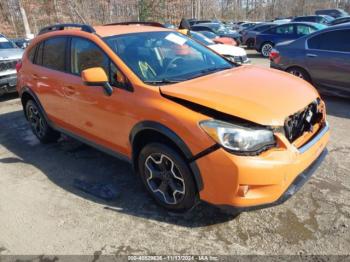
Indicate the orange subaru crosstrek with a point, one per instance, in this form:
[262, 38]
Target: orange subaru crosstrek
[194, 125]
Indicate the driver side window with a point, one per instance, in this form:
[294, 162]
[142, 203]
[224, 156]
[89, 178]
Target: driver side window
[285, 30]
[85, 54]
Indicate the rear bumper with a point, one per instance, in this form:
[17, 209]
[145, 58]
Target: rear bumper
[253, 182]
[8, 83]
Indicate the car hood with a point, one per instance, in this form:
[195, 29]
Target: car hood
[231, 50]
[10, 54]
[263, 96]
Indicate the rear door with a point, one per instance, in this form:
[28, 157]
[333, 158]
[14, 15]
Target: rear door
[328, 59]
[48, 75]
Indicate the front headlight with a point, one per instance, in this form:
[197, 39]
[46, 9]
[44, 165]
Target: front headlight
[239, 139]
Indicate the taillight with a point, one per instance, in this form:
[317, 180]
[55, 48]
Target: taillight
[19, 65]
[275, 56]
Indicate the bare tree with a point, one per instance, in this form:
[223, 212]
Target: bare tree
[20, 17]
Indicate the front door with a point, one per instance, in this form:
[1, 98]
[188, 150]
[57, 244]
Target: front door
[94, 115]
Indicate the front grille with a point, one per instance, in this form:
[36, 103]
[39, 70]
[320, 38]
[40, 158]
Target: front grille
[8, 76]
[303, 121]
[8, 65]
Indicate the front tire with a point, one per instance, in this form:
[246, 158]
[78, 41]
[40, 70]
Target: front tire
[167, 177]
[39, 125]
[266, 49]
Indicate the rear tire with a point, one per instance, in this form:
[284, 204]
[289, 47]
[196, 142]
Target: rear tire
[266, 49]
[299, 72]
[39, 125]
[167, 177]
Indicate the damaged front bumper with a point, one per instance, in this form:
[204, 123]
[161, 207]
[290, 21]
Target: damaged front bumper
[298, 182]
[242, 183]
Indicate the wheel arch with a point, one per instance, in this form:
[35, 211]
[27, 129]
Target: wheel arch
[27, 94]
[302, 68]
[150, 131]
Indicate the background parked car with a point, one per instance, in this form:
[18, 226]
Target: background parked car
[320, 19]
[322, 58]
[332, 12]
[218, 29]
[282, 20]
[10, 54]
[248, 37]
[169, 25]
[21, 42]
[232, 53]
[266, 40]
[340, 20]
[217, 39]
[246, 26]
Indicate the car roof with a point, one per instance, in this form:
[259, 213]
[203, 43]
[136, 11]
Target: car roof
[342, 17]
[300, 23]
[303, 16]
[110, 30]
[327, 29]
[207, 24]
[340, 26]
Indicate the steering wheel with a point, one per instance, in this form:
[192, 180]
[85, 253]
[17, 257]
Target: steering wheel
[172, 62]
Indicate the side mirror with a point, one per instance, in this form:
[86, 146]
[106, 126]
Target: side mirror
[96, 76]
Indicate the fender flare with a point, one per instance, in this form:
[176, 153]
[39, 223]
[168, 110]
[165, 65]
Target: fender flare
[36, 100]
[170, 134]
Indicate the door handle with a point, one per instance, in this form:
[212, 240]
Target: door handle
[311, 55]
[70, 90]
[35, 76]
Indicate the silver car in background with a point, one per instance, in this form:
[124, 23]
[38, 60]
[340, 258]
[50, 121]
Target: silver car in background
[10, 54]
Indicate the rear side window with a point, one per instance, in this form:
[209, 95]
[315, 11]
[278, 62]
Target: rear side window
[304, 30]
[53, 55]
[31, 54]
[39, 54]
[262, 28]
[285, 30]
[338, 40]
[85, 54]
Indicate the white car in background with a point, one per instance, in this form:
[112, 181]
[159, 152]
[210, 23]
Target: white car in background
[10, 54]
[232, 53]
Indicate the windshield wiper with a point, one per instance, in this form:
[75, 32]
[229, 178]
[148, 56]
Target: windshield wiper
[208, 71]
[163, 81]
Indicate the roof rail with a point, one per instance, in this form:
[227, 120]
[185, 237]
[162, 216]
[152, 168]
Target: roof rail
[83, 27]
[156, 24]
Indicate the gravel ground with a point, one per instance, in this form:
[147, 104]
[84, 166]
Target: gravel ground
[41, 212]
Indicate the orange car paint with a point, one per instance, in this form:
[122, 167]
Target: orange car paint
[261, 96]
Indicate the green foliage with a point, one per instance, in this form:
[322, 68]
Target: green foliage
[145, 10]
